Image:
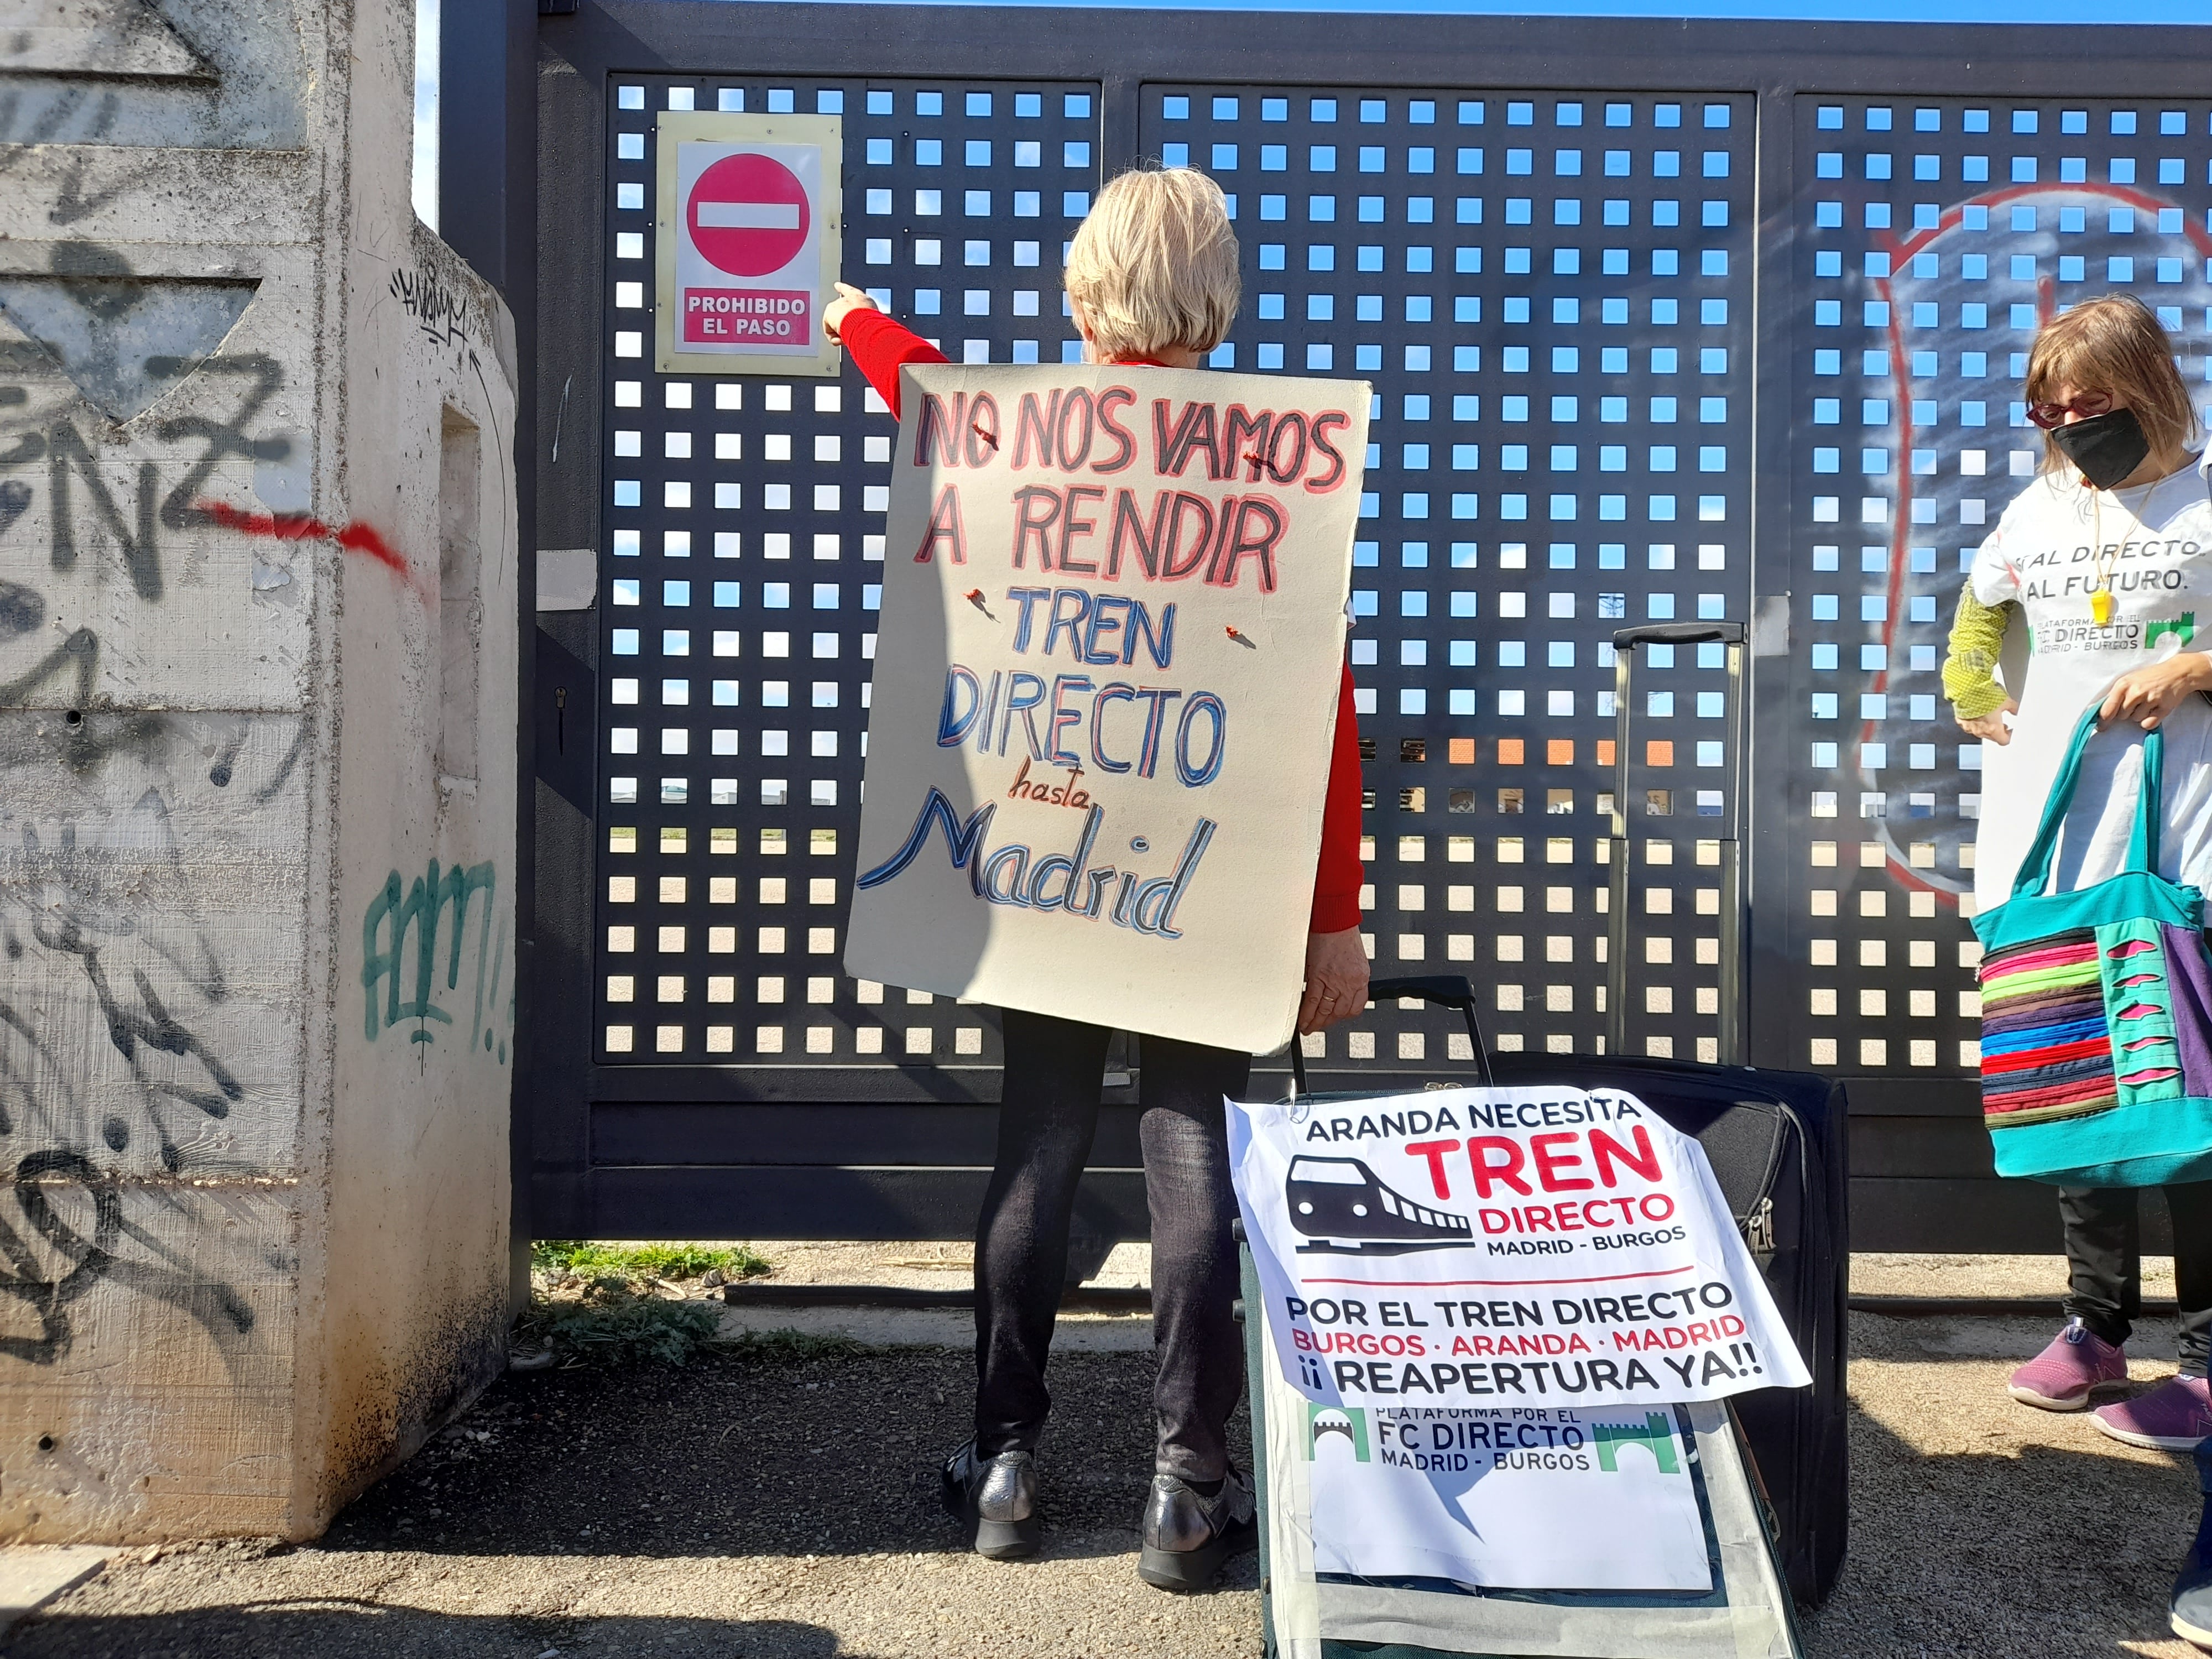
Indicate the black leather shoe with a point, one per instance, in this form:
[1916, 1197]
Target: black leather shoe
[2193, 1590]
[1188, 1536]
[995, 1499]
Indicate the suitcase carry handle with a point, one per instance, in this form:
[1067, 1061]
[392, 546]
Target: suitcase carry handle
[1445, 990]
[1678, 633]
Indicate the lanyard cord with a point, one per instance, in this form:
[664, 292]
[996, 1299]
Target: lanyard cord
[2101, 602]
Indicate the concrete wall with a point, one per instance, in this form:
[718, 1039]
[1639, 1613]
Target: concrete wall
[257, 790]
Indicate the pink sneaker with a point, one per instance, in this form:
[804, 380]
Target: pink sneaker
[2064, 1375]
[2173, 1417]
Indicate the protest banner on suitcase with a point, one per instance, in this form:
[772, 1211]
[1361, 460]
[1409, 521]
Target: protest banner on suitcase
[1505, 1498]
[1099, 734]
[1514, 1248]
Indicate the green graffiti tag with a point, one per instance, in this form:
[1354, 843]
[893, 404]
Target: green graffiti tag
[423, 907]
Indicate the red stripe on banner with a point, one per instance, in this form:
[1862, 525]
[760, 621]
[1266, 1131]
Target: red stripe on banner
[2029, 1059]
[1442, 1283]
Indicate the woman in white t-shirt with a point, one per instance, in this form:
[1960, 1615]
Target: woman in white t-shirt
[2105, 562]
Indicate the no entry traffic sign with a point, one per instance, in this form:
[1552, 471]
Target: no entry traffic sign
[749, 214]
[748, 241]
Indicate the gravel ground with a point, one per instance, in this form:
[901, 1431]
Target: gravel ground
[742, 1506]
[755, 1506]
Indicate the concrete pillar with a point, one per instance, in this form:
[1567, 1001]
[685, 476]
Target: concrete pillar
[258, 710]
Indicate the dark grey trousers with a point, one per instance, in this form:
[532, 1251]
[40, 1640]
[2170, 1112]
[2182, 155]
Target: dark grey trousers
[2104, 1251]
[1048, 1114]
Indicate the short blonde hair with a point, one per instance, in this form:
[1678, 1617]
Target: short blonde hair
[1155, 264]
[2112, 344]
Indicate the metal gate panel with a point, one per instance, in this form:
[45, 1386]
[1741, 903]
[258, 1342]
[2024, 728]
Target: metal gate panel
[1498, 250]
[1934, 236]
[743, 570]
[1551, 292]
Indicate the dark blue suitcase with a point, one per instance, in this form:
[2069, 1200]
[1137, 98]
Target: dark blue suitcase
[1775, 1141]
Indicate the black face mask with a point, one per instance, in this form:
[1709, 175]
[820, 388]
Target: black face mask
[2105, 448]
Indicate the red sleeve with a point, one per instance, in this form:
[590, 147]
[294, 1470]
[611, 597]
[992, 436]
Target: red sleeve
[881, 345]
[1336, 883]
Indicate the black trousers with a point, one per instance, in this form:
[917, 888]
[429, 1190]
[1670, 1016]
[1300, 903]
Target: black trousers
[1048, 1114]
[2104, 1252]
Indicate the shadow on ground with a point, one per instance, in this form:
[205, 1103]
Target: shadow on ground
[791, 1499]
[757, 1505]
[312, 1628]
[1981, 1527]
[752, 1455]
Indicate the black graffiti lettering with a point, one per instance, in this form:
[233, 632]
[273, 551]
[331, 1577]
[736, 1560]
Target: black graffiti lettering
[438, 307]
[26, 1091]
[76, 918]
[222, 438]
[21, 610]
[85, 739]
[50, 120]
[38, 1179]
[62, 929]
[81, 647]
[29, 447]
[67, 452]
[71, 205]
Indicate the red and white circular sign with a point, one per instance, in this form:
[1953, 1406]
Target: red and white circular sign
[748, 215]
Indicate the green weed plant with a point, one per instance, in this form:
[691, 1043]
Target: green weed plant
[614, 1322]
[596, 1259]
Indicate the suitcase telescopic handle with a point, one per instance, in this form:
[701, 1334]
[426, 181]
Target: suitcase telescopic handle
[1680, 633]
[1729, 1042]
[1445, 990]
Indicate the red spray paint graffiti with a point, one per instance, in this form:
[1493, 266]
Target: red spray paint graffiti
[1900, 249]
[299, 527]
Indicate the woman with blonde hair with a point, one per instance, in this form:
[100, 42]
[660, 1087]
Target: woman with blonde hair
[1153, 279]
[2105, 560]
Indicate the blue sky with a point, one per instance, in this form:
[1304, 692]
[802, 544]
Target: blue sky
[1857, 11]
[1866, 11]
[1916, 11]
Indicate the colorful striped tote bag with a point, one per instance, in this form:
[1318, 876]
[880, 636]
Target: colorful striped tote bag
[2097, 1011]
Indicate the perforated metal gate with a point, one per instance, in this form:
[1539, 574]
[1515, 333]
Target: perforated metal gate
[1933, 236]
[1551, 292]
[744, 552]
[1602, 398]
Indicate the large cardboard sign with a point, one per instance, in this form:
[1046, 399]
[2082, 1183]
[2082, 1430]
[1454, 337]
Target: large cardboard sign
[750, 228]
[1105, 687]
[1506, 1248]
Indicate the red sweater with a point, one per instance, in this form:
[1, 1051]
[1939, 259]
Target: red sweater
[881, 346]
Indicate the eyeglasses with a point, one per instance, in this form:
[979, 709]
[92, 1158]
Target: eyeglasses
[2088, 405]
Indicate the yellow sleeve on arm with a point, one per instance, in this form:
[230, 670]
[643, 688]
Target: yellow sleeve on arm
[1978, 633]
